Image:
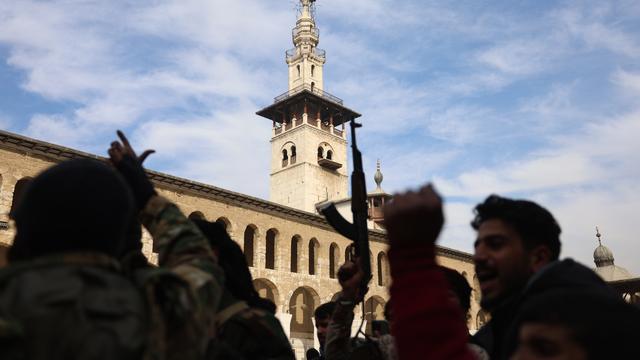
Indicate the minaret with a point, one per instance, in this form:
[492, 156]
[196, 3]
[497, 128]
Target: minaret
[602, 256]
[376, 199]
[308, 143]
[305, 60]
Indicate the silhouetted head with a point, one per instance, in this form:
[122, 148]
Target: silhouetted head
[578, 324]
[77, 205]
[460, 288]
[322, 316]
[515, 239]
[238, 279]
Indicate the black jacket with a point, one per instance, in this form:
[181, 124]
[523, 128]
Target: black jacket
[499, 335]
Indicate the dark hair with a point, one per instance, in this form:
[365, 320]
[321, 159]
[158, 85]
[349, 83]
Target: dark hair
[602, 324]
[460, 286]
[76, 205]
[325, 310]
[238, 279]
[533, 223]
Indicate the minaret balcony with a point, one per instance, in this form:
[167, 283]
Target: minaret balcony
[301, 88]
[293, 54]
[329, 164]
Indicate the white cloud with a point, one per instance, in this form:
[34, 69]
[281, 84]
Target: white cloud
[227, 149]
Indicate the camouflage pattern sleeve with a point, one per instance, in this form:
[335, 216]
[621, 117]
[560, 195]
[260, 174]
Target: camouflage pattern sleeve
[337, 346]
[185, 251]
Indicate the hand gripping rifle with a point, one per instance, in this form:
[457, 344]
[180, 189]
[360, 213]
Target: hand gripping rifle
[358, 231]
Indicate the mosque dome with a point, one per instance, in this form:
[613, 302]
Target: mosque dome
[602, 256]
[605, 267]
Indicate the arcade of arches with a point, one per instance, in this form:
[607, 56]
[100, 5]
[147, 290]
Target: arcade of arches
[293, 255]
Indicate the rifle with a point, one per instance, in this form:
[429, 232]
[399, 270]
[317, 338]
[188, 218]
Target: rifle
[358, 231]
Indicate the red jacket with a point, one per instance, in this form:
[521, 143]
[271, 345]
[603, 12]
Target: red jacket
[426, 323]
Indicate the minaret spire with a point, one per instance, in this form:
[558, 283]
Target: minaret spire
[305, 60]
[378, 177]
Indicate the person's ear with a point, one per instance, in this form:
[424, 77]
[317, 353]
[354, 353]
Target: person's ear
[539, 257]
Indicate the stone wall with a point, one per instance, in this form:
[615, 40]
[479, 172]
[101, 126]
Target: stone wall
[239, 212]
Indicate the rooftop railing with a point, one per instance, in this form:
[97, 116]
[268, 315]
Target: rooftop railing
[314, 31]
[318, 53]
[299, 89]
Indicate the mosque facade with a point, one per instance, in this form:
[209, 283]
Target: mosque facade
[292, 252]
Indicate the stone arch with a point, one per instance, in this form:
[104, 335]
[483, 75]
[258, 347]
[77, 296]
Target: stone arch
[226, 224]
[348, 253]
[481, 318]
[383, 269]
[302, 303]
[314, 247]
[325, 149]
[373, 310]
[296, 240]
[476, 288]
[271, 248]
[196, 215]
[18, 192]
[334, 260]
[293, 154]
[250, 236]
[267, 289]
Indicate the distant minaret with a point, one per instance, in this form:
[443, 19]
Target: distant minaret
[308, 143]
[305, 60]
[602, 256]
[377, 198]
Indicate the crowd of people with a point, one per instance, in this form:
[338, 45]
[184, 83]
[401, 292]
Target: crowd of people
[79, 287]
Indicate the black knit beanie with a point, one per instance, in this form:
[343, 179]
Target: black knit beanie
[77, 205]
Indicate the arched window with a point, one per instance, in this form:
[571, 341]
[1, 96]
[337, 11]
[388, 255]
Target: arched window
[329, 154]
[334, 259]
[373, 310]
[313, 256]
[383, 275]
[18, 191]
[196, 215]
[285, 158]
[270, 253]
[224, 222]
[313, 86]
[320, 152]
[348, 253]
[249, 237]
[266, 289]
[293, 154]
[298, 67]
[301, 307]
[295, 241]
[481, 319]
[313, 68]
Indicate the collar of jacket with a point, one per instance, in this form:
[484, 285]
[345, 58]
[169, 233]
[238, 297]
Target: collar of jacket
[66, 258]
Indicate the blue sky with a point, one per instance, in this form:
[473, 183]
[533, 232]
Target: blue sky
[535, 99]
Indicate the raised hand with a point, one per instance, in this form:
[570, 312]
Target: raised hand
[350, 276]
[129, 165]
[117, 150]
[414, 216]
